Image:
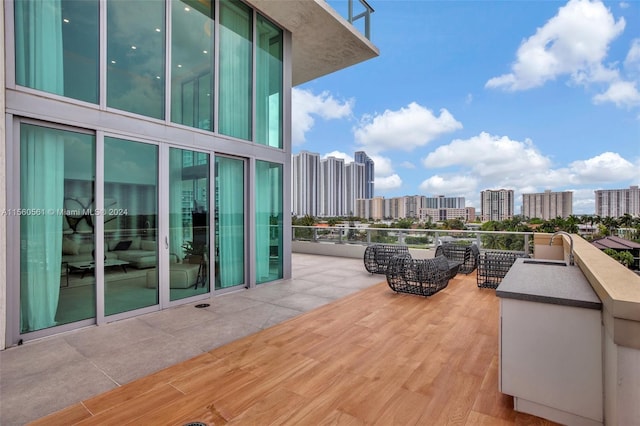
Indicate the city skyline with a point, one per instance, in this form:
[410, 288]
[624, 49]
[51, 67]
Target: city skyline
[470, 96]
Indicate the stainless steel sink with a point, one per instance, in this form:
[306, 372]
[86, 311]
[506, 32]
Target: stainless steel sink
[544, 262]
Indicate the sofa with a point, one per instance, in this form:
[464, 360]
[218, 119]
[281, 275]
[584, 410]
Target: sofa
[137, 252]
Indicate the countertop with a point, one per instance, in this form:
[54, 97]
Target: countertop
[549, 282]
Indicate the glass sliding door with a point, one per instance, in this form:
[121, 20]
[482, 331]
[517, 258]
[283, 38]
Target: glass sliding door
[136, 56]
[230, 222]
[189, 245]
[130, 228]
[192, 63]
[268, 194]
[236, 65]
[57, 284]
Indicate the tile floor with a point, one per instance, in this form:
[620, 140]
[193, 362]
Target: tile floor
[44, 376]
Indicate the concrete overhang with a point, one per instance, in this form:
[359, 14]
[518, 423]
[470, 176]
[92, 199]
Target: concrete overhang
[322, 40]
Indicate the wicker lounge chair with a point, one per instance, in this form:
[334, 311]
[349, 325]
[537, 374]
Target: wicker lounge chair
[466, 255]
[423, 277]
[377, 256]
[494, 265]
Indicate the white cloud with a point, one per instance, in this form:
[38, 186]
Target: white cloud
[633, 56]
[451, 186]
[305, 106]
[387, 183]
[632, 61]
[408, 165]
[584, 201]
[575, 41]
[405, 129]
[338, 154]
[621, 93]
[608, 167]
[496, 158]
[383, 166]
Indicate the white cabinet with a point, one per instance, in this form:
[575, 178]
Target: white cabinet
[551, 360]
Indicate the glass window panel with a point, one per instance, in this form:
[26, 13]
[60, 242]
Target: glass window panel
[188, 223]
[192, 63]
[269, 84]
[230, 220]
[235, 102]
[57, 47]
[131, 204]
[135, 56]
[57, 284]
[268, 221]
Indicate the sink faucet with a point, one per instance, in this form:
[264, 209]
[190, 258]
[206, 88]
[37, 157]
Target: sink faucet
[570, 239]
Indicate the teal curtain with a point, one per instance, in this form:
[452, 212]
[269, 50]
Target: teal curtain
[42, 194]
[176, 235]
[235, 103]
[39, 54]
[268, 84]
[230, 206]
[268, 197]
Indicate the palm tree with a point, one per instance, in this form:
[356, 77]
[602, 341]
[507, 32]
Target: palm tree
[626, 221]
[610, 223]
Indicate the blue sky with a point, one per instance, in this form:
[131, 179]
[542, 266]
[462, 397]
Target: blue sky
[474, 95]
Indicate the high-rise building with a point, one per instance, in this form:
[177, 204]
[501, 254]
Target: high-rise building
[547, 205]
[305, 183]
[618, 202]
[332, 187]
[369, 172]
[442, 202]
[497, 204]
[372, 208]
[354, 186]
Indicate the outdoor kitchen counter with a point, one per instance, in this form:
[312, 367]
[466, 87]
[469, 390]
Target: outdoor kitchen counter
[548, 281]
[551, 342]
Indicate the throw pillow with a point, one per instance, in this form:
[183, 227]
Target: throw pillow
[69, 247]
[123, 245]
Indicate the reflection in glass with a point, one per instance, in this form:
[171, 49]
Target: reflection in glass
[234, 111]
[57, 47]
[57, 284]
[192, 63]
[188, 223]
[230, 269]
[131, 203]
[268, 84]
[135, 56]
[268, 221]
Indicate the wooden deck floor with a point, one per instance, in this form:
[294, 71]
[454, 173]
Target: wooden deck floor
[374, 357]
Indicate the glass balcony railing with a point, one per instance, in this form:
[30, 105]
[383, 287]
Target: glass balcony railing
[358, 13]
[416, 238]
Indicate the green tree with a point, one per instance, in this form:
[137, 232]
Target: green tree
[303, 233]
[624, 257]
[406, 223]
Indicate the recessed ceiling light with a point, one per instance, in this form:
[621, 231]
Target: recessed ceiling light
[187, 9]
[179, 65]
[205, 52]
[113, 62]
[157, 30]
[66, 21]
[133, 47]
